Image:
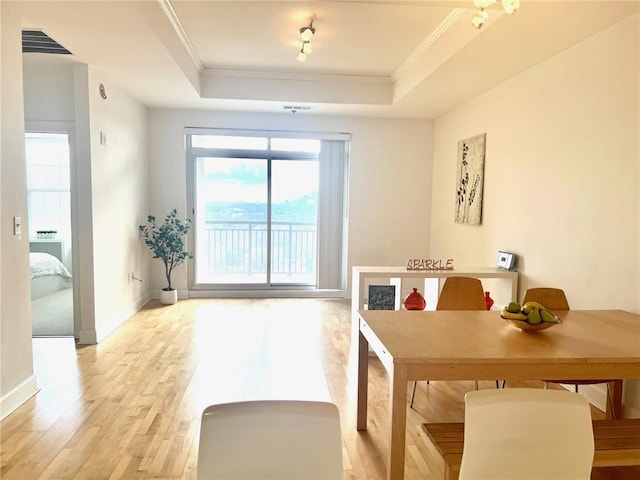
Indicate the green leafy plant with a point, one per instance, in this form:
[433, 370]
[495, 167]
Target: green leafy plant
[46, 233]
[166, 241]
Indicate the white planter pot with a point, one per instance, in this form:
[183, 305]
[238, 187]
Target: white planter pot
[168, 297]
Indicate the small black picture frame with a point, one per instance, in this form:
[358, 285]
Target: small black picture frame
[382, 297]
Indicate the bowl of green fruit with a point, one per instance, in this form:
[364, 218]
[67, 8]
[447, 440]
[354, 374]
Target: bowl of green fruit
[530, 317]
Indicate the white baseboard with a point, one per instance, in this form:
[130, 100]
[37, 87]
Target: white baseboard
[596, 394]
[17, 396]
[155, 295]
[104, 331]
[87, 337]
[92, 337]
[293, 293]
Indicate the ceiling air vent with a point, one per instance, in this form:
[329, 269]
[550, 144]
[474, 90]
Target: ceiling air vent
[36, 41]
[296, 108]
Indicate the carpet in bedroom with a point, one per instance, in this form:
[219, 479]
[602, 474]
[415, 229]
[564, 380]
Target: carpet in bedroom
[52, 315]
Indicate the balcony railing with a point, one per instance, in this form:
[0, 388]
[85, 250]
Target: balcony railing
[238, 248]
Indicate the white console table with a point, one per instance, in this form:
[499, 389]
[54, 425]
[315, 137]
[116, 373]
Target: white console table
[430, 285]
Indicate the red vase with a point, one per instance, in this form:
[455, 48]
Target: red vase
[489, 300]
[415, 301]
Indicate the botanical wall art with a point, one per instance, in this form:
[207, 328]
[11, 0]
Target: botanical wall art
[470, 180]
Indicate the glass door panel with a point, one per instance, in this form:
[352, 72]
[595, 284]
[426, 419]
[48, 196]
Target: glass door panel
[231, 220]
[294, 214]
[256, 211]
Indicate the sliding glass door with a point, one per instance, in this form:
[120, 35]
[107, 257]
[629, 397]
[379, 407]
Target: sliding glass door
[231, 220]
[256, 211]
[294, 227]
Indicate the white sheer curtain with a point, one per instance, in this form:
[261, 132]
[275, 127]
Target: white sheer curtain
[332, 214]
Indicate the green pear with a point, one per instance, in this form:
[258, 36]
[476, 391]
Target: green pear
[548, 317]
[513, 307]
[534, 317]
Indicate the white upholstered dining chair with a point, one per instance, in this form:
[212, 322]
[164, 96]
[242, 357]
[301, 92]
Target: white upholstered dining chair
[526, 433]
[270, 439]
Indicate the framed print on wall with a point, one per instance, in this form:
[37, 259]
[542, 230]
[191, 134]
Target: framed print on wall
[470, 180]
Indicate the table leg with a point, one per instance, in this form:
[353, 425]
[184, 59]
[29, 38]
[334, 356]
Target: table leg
[363, 382]
[614, 400]
[397, 422]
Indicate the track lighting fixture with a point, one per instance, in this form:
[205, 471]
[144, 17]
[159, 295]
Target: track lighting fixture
[481, 15]
[306, 34]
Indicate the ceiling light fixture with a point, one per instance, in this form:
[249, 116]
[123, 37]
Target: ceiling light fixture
[481, 15]
[306, 34]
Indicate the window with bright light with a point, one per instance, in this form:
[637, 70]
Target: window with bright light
[268, 210]
[48, 182]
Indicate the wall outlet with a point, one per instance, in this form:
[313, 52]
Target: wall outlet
[133, 278]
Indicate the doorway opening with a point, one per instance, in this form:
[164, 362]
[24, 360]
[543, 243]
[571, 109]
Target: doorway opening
[50, 238]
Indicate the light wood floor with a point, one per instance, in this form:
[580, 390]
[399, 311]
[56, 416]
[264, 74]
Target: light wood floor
[130, 407]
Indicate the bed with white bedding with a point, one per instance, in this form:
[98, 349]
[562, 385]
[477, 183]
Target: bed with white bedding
[48, 275]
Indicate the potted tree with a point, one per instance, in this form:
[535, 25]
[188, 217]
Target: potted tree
[166, 241]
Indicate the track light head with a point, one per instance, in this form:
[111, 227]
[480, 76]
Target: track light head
[480, 16]
[307, 33]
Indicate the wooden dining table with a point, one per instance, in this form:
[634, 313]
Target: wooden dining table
[480, 345]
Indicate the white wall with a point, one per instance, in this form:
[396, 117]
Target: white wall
[389, 179]
[561, 175]
[2, 410]
[111, 183]
[48, 87]
[17, 382]
[112, 195]
[49, 107]
[119, 192]
[2, 395]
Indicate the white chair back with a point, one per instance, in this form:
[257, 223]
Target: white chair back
[527, 433]
[270, 439]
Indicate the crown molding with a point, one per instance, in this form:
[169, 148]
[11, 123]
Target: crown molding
[172, 16]
[297, 76]
[429, 41]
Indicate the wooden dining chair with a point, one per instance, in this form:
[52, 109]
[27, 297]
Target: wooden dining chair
[551, 298]
[554, 299]
[462, 293]
[284, 439]
[459, 293]
[526, 433]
